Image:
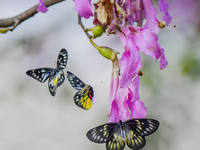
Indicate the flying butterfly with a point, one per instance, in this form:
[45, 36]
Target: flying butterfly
[115, 135]
[55, 75]
[83, 98]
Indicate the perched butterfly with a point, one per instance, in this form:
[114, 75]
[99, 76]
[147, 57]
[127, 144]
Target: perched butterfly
[56, 76]
[132, 131]
[83, 98]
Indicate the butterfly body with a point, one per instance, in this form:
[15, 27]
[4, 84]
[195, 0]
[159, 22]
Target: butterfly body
[132, 132]
[55, 75]
[123, 134]
[83, 98]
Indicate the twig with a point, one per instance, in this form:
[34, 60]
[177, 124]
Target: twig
[84, 29]
[12, 23]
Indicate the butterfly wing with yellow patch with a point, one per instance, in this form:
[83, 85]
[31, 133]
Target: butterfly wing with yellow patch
[109, 133]
[115, 141]
[83, 98]
[55, 81]
[143, 127]
[137, 129]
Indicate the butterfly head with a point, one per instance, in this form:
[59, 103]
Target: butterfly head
[91, 92]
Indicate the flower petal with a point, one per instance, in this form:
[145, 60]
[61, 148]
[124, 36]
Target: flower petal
[41, 7]
[134, 87]
[122, 38]
[114, 83]
[137, 108]
[150, 14]
[119, 107]
[146, 41]
[130, 63]
[163, 61]
[121, 100]
[84, 8]
[164, 7]
[114, 112]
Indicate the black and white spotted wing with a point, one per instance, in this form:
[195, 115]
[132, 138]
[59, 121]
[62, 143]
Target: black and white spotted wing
[62, 59]
[134, 131]
[75, 81]
[40, 74]
[56, 76]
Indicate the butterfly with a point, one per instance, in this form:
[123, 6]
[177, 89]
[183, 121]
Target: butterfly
[115, 135]
[83, 98]
[55, 75]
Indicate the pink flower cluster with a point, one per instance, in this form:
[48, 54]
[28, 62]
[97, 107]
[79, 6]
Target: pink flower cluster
[120, 16]
[137, 24]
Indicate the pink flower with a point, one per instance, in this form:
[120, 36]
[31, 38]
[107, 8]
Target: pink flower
[84, 8]
[126, 99]
[117, 100]
[123, 99]
[41, 7]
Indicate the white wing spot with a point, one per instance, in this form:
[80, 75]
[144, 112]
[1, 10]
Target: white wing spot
[98, 137]
[151, 125]
[148, 129]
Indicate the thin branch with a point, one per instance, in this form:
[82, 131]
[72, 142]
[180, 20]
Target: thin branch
[84, 29]
[12, 23]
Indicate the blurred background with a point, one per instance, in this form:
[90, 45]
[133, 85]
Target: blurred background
[31, 119]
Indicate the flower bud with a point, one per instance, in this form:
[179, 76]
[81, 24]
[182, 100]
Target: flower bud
[105, 51]
[3, 30]
[97, 31]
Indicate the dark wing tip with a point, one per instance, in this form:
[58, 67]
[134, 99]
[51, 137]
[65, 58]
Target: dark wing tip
[29, 72]
[89, 134]
[68, 72]
[151, 127]
[52, 91]
[154, 122]
[53, 94]
[63, 49]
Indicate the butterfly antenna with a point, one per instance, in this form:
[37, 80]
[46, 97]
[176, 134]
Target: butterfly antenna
[98, 84]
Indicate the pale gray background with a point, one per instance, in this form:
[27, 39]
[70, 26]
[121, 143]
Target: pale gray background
[31, 119]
